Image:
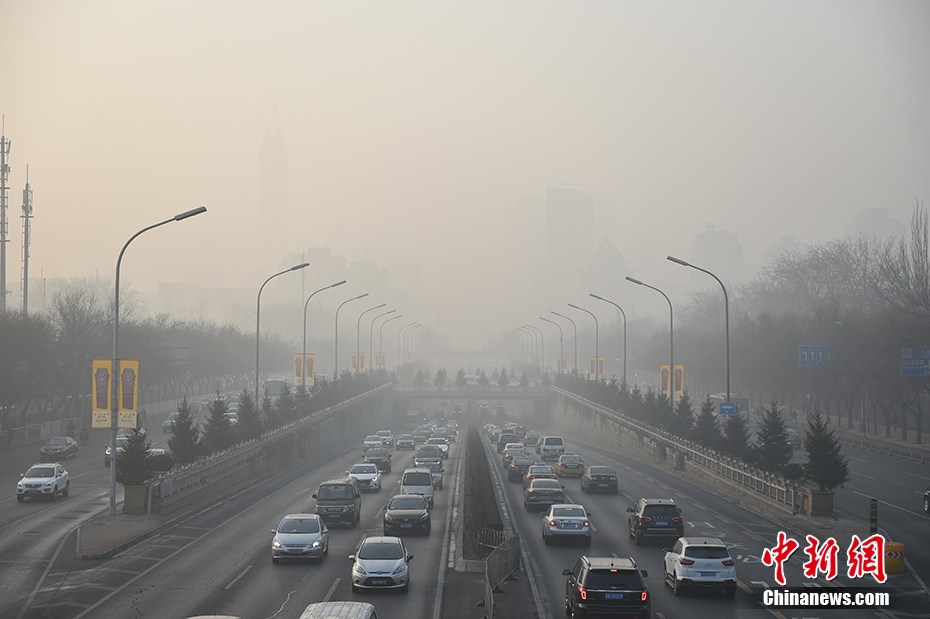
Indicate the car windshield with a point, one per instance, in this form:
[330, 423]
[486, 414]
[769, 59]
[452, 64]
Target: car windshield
[405, 437]
[621, 579]
[56, 442]
[436, 441]
[299, 525]
[707, 552]
[41, 471]
[660, 511]
[541, 470]
[365, 469]
[407, 503]
[336, 491]
[570, 459]
[434, 467]
[546, 484]
[373, 438]
[418, 479]
[567, 512]
[518, 461]
[601, 470]
[376, 453]
[380, 550]
[384, 433]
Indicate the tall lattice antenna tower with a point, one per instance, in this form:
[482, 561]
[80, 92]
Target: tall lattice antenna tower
[4, 179]
[27, 215]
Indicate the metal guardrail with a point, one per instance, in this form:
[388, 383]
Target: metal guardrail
[732, 470]
[503, 561]
[899, 451]
[214, 472]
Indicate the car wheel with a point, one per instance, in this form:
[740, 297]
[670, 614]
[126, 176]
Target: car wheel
[355, 589]
[730, 592]
[638, 538]
[20, 498]
[584, 488]
[587, 541]
[67, 489]
[406, 587]
[546, 539]
[275, 560]
[677, 588]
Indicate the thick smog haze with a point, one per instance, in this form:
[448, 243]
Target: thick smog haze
[449, 144]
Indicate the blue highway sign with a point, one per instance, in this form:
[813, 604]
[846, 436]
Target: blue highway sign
[813, 356]
[915, 361]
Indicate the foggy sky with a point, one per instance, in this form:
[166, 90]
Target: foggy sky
[430, 130]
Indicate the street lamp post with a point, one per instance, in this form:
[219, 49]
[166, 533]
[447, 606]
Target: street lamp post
[726, 310]
[415, 337]
[358, 337]
[671, 341]
[622, 313]
[371, 338]
[399, 361]
[575, 340]
[542, 347]
[336, 339]
[524, 338]
[561, 350]
[381, 336]
[114, 371]
[597, 352]
[258, 314]
[303, 358]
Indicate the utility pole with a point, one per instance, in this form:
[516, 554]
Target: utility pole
[27, 215]
[4, 186]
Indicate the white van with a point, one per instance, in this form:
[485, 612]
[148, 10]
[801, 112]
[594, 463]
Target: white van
[343, 610]
[551, 447]
[418, 481]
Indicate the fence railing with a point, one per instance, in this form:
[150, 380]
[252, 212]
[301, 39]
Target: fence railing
[785, 494]
[503, 561]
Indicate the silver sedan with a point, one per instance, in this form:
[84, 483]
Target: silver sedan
[567, 520]
[300, 536]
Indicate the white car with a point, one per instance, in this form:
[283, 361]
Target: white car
[300, 536]
[568, 521]
[168, 424]
[43, 480]
[381, 563]
[442, 443]
[368, 476]
[387, 438]
[371, 441]
[700, 563]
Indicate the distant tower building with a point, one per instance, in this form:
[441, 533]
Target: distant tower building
[272, 196]
[570, 238]
[877, 223]
[720, 251]
[4, 186]
[26, 216]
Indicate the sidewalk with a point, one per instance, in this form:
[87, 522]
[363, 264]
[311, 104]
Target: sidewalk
[103, 536]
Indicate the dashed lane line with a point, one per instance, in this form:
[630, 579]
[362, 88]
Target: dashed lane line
[887, 504]
[864, 475]
[332, 589]
[233, 582]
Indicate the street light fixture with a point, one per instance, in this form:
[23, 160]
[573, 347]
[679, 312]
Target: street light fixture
[336, 340]
[303, 358]
[371, 339]
[381, 336]
[575, 340]
[524, 338]
[114, 371]
[671, 341]
[358, 337]
[561, 350]
[542, 347]
[402, 352]
[258, 314]
[622, 313]
[726, 310]
[597, 352]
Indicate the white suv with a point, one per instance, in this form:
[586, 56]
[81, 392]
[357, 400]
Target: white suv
[47, 480]
[550, 447]
[700, 563]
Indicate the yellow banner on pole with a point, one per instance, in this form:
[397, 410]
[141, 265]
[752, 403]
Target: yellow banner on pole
[298, 369]
[679, 379]
[101, 390]
[310, 368]
[128, 397]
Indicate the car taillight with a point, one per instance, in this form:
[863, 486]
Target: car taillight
[644, 518]
[644, 596]
[533, 493]
[585, 523]
[582, 592]
[552, 523]
[728, 562]
[676, 519]
[684, 561]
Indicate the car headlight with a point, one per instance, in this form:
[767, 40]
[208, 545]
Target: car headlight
[388, 518]
[315, 544]
[347, 508]
[424, 516]
[48, 483]
[275, 543]
[358, 569]
[400, 569]
[19, 484]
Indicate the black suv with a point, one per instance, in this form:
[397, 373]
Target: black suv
[608, 586]
[655, 518]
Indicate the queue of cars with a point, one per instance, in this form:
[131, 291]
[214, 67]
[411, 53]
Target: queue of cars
[380, 561]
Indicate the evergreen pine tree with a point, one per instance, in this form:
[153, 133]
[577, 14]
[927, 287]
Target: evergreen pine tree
[460, 380]
[132, 464]
[681, 422]
[269, 416]
[286, 405]
[303, 402]
[483, 379]
[421, 379]
[772, 449]
[440, 379]
[546, 381]
[524, 380]
[184, 439]
[218, 431]
[826, 465]
[502, 379]
[650, 406]
[707, 428]
[250, 424]
[736, 436]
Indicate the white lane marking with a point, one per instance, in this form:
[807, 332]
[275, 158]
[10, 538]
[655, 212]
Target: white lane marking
[332, 589]
[48, 568]
[233, 582]
[864, 475]
[892, 505]
[858, 459]
[916, 475]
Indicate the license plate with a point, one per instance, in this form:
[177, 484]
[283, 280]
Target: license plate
[661, 523]
[602, 485]
[613, 596]
[569, 525]
[406, 526]
[379, 581]
[550, 501]
[708, 574]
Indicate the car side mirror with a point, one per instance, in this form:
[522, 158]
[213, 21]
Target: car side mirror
[666, 549]
[274, 531]
[347, 472]
[21, 475]
[629, 509]
[313, 496]
[562, 486]
[351, 557]
[410, 557]
[357, 495]
[566, 572]
[589, 512]
[644, 573]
